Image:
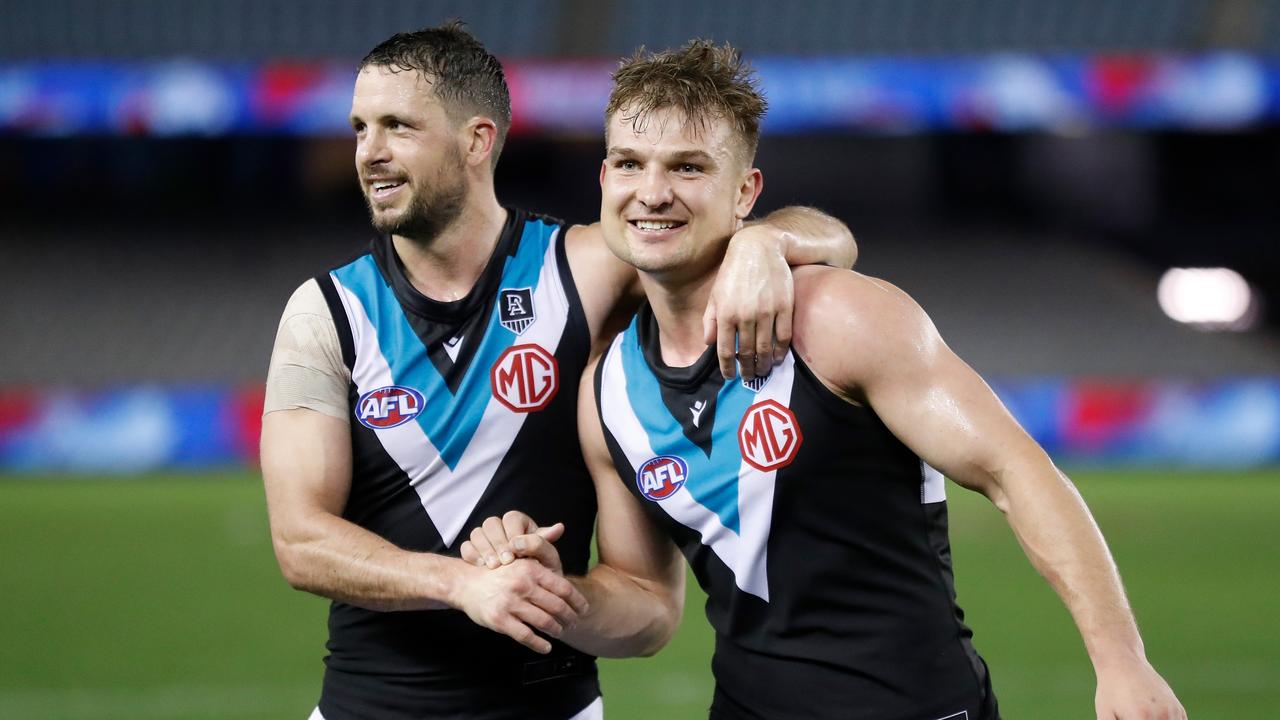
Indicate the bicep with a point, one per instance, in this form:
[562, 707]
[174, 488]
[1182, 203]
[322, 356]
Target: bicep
[306, 466]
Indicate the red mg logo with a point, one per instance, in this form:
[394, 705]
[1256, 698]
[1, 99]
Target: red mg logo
[769, 436]
[525, 378]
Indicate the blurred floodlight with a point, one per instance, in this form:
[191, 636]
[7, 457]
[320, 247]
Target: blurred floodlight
[1208, 298]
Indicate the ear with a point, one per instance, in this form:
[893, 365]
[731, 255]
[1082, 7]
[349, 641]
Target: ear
[604, 165]
[748, 193]
[479, 135]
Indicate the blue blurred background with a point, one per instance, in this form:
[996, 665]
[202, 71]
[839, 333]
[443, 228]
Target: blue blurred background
[1030, 171]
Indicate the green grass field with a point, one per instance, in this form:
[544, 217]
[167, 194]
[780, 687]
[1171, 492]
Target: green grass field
[159, 598]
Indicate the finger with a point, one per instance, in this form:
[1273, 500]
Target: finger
[554, 606]
[764, 345]
[726, 350]
[536, 548]
[538, 619]
[516, 523]
[523, 634]
[551, 533]
[565, 590]
[497, 534]
[709, 322]
[484, 548]
[782, 332]
[747, 348]
[470, 555]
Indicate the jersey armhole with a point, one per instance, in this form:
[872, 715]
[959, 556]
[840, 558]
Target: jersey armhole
[577, 313]
[340, 321]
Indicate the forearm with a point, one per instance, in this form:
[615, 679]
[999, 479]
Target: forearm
[626, 617]
[812, 237]
[342, 561]
[1063, 542]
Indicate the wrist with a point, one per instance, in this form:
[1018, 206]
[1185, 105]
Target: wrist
[446, 582]
[1112, 653]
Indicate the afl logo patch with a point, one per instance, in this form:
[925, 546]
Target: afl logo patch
[525, 378]
[659, 478]
[769, 436]
[388, 407]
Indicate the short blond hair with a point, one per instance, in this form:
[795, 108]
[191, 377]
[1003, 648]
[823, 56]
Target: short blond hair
[704, 81]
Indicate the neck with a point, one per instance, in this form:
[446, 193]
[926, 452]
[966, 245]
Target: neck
[446, 266]
[678, 306]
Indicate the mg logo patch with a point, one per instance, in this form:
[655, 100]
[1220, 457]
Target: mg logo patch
[388, 407]
[525, 378]
[515, 309]
[769, 436]
[659, 478]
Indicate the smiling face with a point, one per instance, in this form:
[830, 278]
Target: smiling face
[408, 153]
[673, 191]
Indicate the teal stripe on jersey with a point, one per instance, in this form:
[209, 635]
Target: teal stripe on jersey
[448, 420]
[713, 481]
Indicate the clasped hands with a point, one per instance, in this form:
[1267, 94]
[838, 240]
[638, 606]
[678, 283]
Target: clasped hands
[517, 585]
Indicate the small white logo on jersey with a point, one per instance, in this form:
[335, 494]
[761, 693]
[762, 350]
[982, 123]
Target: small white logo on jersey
[756, 384]
[697, 409]
[451, 347]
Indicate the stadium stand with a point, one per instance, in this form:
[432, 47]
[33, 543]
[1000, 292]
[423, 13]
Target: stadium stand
[134, 304]
[302, 29]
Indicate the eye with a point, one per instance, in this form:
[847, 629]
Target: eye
[358, 127]
[627, 165]
[688, 169]
[394, 124]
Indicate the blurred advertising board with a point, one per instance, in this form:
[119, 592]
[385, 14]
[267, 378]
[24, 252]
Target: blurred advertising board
[1231, 423]
[1006, 92]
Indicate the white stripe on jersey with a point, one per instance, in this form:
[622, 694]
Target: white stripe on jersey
[449, 496]
[746, 555]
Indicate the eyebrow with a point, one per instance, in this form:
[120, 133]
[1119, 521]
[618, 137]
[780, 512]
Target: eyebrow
[679, 156]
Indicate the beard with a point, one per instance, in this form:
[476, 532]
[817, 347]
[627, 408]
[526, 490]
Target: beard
[432, 208]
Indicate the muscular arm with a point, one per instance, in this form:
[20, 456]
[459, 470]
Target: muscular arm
[636, 591]
[306, 468]
[943, 411]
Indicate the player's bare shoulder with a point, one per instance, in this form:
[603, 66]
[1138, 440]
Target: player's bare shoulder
[850, 326]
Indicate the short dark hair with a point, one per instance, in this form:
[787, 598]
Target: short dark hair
[704, 81]
[466, 77]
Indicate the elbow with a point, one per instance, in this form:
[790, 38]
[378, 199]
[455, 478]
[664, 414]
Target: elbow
[290, 558]
[664, 626]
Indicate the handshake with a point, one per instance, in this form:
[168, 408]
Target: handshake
[514, 582]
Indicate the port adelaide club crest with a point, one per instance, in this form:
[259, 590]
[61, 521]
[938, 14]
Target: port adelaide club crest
[515, 309]
[659, 478]
[388, 407]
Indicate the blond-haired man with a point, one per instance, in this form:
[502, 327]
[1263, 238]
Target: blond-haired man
[807, 501]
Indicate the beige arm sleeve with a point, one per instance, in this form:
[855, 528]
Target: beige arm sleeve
[306, 368]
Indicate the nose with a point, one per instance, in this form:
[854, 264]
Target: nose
[655, 189]
[372, 149]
